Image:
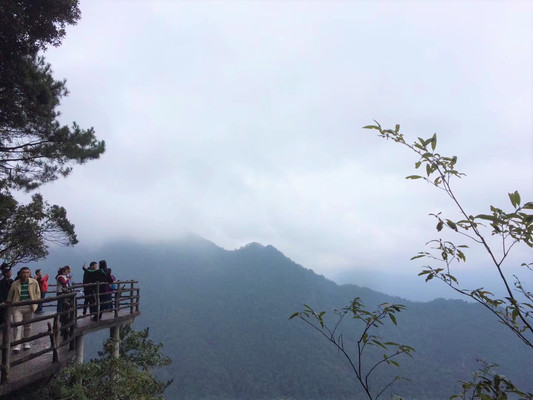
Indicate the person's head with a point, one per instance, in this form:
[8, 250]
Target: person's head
[61, 271]
[38, 273]
[109, 269]
[103, 264]
[67, 269]
[7, 273]
[24, 274]
[93, 265]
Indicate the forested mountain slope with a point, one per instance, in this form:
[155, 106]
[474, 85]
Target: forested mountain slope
[223, 318]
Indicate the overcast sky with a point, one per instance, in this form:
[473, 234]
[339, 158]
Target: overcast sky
[240, 121]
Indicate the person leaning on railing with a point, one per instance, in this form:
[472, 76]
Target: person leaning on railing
[90, 276]
[25, 288]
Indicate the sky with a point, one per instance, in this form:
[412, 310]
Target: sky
[241, 121]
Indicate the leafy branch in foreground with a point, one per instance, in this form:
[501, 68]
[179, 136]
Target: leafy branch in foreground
[371, 319]
[126, 377]
[485, 384]
[510, 228]
[515, 310]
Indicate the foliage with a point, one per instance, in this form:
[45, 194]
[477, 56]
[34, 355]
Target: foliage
[370, 319]
[515, 310]
[35, 147]
[126, 377]
[487, 385]
[25, 228]
[136, 348]
[229, 336]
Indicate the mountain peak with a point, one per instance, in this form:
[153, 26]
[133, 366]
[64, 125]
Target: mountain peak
[253, 245]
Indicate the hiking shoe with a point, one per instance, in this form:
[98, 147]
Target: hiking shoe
[27, 346]
[16, 349]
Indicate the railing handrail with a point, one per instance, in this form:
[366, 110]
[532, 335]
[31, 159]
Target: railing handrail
[61, 296]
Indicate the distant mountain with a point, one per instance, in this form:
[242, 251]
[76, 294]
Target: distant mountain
[223, 318]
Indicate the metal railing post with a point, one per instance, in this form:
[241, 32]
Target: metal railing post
[55, 334]
[132, 297]
[73, 320]
[117, 300]
[97, 302]
[6, 344]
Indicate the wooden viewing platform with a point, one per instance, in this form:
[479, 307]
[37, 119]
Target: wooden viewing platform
[49, 349]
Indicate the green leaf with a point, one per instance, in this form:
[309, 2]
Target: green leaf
[370, 127]
[517, 195]
[453, 278]
[486, 217]
[434, 142]
[393, 319]
[515, 198]
[451, 224]
[294, 315]
[413, 177]
[439, 226]
[397, 129]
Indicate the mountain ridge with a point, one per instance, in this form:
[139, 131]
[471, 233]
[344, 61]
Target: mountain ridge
[223, 318]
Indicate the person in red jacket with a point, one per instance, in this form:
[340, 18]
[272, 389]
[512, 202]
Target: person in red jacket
[43, 285]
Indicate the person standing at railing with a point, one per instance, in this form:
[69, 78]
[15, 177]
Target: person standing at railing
[95, 275]
[43, 285]
[24, 288]
[112, 288]
[62, 283]
[5, 284]
[68, 274]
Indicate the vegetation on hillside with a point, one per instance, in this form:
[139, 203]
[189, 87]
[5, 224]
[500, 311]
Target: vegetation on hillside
[225, 326]
[127, 377]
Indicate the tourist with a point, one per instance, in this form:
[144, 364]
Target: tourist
[111, 289]
[5, 284]
[93, 275]
[43, 286]
[24, 288]
[62, 284]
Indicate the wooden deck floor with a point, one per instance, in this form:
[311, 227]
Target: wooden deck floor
[42, 366]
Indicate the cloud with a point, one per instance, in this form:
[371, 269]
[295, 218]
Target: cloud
[241, 121]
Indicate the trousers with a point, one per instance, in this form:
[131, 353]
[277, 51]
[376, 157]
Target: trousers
[22, 313]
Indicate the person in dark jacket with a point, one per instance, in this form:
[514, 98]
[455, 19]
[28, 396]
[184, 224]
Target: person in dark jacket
[94, 275]
[5, 284]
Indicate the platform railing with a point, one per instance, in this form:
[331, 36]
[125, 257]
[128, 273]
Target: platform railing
[62, 326]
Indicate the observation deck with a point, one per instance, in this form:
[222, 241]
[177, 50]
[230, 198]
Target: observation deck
[57, 337]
